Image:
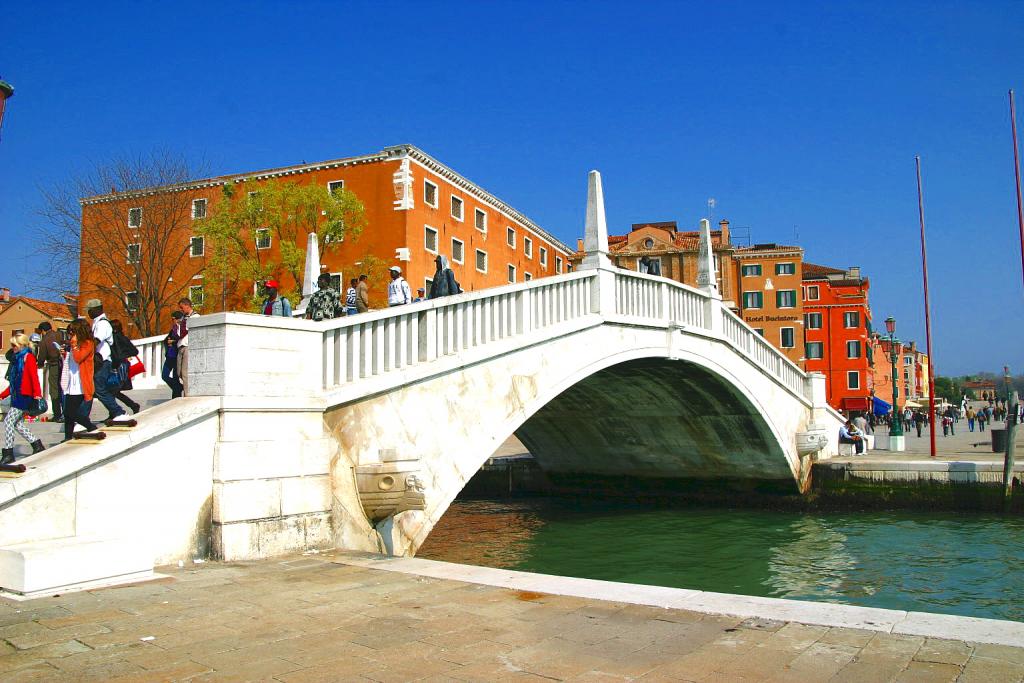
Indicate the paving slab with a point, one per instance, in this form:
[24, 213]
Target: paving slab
[360, 618]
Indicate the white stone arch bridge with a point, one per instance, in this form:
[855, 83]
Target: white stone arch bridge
[359, 432]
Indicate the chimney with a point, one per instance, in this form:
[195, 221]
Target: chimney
[5, 295]
[853, 273]
[723, 225]
[579, 244]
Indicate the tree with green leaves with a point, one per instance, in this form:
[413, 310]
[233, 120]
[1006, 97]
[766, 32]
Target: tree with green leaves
[255, 234]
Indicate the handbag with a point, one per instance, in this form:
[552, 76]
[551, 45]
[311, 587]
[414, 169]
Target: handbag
[38, 407]
[135, 367]
[118, 376]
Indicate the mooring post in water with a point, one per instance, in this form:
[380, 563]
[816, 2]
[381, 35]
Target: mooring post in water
[1011, 433]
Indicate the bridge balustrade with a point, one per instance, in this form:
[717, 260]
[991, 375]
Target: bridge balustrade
[382, 342]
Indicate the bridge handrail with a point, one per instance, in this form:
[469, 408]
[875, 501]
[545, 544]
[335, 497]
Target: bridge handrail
[748, 341]
[657, 298]
[390, 341]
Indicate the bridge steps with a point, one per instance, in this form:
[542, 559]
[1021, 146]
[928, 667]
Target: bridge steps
[61, 565]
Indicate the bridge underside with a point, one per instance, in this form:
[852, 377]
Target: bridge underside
[654, 418]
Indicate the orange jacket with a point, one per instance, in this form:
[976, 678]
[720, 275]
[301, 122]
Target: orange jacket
[83, 355]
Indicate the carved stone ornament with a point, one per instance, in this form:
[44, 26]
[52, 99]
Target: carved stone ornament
[390, 487]
[402, 179]
[812, 440]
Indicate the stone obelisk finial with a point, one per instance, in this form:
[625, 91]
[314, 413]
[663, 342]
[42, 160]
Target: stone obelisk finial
[312, 271]
[595, 239]
[706, 260]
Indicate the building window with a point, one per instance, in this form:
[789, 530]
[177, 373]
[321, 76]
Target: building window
[785, 268]
[528, 247]
[195, 293]
[480, 220]
[255, 199]
[812, 292]
[787, 338]
[543, 257]
[196, 246]
[430, 239]
[908, 360]
[134, 253]
[812, 321]
[558, 264]
[510, 237]
[753, 299]
[263, 238]
[511, 273]
[814, 350]
[750, 270]
[785, 298]
[131, 301]
[527, 277]
[481, 260]
[430, 194]
[457, 208]
[134, 218]
[853, 380]
[759, 330]
[198, 208]
[851, 319]
[458, 251]
[428, 284]
[335, 185]
[853, 349]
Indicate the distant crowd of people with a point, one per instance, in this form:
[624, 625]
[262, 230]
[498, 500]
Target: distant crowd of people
[860, 424]
[327, 302]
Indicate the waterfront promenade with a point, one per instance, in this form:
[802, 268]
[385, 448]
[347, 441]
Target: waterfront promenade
[323, 617]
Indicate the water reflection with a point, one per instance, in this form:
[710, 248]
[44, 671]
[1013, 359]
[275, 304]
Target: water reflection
[815, 563]
[960, 564]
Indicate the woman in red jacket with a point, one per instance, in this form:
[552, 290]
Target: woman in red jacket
[24, 390]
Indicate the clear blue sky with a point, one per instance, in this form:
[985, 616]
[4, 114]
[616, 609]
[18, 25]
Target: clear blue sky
[799, 118]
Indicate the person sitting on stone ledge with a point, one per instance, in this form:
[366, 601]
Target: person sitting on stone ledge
[849, 433]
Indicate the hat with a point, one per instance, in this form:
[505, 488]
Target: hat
[93, 303]
[272, 283]
[395, 269]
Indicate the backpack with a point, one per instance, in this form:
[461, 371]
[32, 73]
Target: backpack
[122, 349]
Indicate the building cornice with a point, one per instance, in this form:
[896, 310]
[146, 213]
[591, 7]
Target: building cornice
[431, 164]
[234, 178]
[394, 153]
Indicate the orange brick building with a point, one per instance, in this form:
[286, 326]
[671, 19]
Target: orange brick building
[412, 201]
[769, 277]
[761, 283]
[837, 335]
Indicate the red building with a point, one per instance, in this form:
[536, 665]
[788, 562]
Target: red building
[837, 330]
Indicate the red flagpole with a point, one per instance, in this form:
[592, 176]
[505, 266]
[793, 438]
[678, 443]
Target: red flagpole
[1016, 169]
[927, 310]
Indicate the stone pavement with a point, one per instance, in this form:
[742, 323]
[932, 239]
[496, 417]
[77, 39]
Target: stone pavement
[316, 618]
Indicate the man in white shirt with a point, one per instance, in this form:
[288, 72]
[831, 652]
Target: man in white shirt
[185, 306]
[398, 289]
[104, 334]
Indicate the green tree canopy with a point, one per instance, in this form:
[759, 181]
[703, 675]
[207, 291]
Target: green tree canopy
[257, 234]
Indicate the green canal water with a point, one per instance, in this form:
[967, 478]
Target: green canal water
[964, 564]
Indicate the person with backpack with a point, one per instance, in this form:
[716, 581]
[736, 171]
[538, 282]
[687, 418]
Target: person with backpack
[444, 282]
[123, 349]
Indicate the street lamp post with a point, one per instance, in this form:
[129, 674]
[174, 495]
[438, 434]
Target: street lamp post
[897, 441]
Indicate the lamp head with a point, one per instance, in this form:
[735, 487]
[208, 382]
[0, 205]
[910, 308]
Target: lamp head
[890, 325]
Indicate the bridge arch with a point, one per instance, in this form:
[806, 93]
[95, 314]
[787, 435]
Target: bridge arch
[724, 420]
